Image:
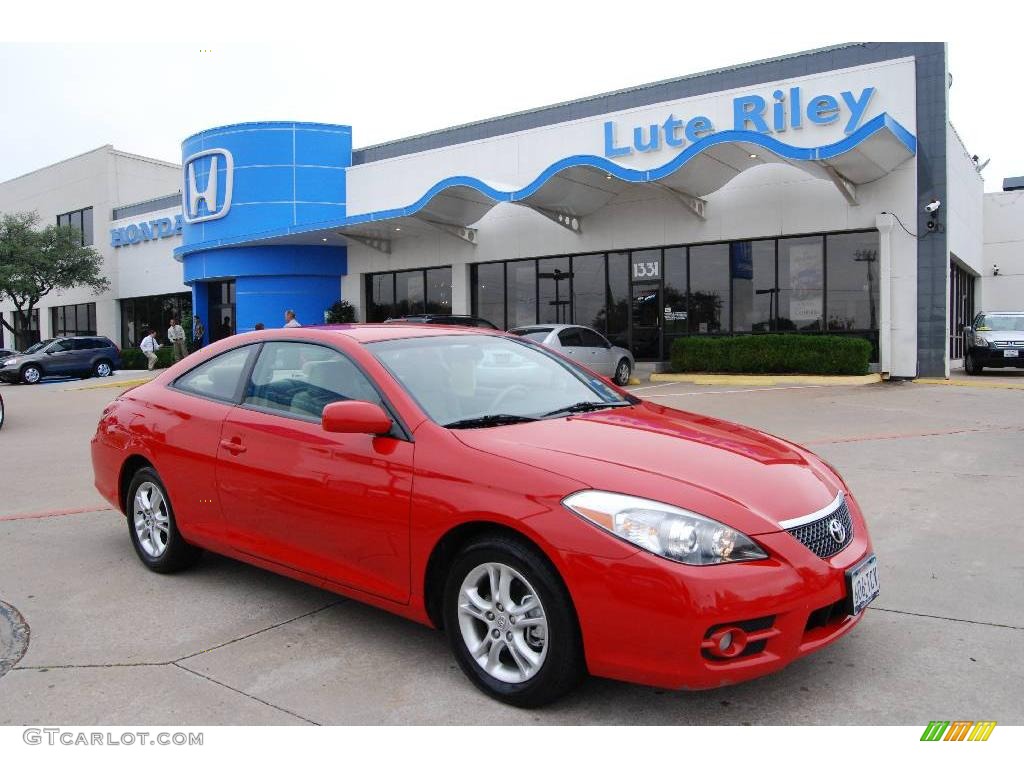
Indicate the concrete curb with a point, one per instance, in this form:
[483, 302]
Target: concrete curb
[976, 384]
[727, 379]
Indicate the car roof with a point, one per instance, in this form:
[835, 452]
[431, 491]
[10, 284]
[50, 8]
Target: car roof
[365, 333]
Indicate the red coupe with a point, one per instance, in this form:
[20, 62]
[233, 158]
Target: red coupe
[552, 523]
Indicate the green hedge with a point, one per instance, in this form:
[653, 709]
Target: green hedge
[134, 360]
[772, 353]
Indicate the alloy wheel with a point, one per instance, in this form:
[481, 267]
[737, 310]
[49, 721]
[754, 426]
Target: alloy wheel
[502, 622]
[103, 369]
[151, 519]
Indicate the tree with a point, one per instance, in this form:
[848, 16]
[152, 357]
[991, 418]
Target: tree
[34, 262]
[341, 312]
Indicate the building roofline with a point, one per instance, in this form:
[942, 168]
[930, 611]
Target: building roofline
[107, 147]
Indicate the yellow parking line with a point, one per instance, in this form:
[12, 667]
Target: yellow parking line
[973, 383]
[111, 385]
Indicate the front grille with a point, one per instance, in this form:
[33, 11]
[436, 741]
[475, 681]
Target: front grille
[826, 615]
[817, 536]
[1008, 344]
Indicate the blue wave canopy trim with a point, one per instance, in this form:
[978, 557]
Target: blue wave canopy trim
[781, 149]
[880, 123]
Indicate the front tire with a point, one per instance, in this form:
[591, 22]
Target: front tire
[152, 527]
[622, 372]
[971, 365]
[511, 624]
[102, 369]
[31, 374]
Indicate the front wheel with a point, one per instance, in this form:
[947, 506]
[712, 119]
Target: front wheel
[31, 374]
[622, 372]
[102, 369]
[511, 624]
[152, 528]
[971, 365]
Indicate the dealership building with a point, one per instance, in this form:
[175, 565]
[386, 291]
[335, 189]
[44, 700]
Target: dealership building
[823, 192]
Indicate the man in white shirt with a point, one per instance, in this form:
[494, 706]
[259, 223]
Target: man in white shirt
[149, 347]
[289, 319]
[176, 336]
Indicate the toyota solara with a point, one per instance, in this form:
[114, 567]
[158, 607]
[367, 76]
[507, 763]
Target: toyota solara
[551, 523]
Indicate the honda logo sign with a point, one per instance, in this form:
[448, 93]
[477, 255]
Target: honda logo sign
[203, 199]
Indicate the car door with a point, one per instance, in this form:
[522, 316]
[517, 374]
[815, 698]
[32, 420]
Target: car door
[332, 505]
[571, 344]
[59, 358]
[184, 422]
[599, 352]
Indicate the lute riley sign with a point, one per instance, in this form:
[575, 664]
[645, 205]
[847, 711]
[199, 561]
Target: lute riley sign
[787, 109]
[157, 229]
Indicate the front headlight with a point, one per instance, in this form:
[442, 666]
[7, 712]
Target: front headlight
[9, 361]
[671, 532]
[980, 341]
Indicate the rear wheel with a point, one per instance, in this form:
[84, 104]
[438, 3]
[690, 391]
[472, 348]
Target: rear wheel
[152, 528]
[511, 624]
[31, 374]
[622, 372]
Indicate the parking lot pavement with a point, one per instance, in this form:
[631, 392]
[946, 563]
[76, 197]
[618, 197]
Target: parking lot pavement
[937, 470]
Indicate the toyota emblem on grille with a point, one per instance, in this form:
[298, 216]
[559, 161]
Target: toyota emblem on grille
[836, 531]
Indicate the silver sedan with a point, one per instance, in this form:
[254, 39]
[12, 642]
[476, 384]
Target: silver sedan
[584, 345]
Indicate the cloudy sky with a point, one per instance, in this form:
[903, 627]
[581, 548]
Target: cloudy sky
[392, 70]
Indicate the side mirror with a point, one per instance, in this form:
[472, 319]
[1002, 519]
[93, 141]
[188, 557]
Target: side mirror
[355, 417]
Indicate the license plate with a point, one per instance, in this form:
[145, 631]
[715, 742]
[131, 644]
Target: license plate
[1010, 352]
[862, 584]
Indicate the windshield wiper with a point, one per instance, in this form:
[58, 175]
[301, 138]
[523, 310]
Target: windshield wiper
[491, 420]
[586, 405]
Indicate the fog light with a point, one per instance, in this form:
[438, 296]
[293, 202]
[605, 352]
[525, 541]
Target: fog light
[724, 642]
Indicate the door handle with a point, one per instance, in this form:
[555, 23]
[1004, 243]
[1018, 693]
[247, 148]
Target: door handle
[234, 446]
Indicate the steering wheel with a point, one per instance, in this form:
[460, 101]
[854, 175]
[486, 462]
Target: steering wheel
[505, 394]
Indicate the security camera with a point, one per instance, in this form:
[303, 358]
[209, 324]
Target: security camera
[995, 269]
[933, 206]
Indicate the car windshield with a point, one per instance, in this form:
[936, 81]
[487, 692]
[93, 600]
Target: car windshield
[478, 381]
[533, 334]
[39, 346]
[1003, 323]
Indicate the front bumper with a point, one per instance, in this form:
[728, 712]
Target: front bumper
[993, 357]
[651, 621]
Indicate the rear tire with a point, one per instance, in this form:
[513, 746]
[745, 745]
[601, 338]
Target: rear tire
[152, 528]
[623, 371]
[525, 666]
[31, 374]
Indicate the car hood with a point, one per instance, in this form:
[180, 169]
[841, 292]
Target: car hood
[1002, 335]
[731, 473]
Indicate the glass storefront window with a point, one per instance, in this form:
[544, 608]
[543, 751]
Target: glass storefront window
[852, 281]
[752, 271]
[554, 278]
[676, 286]
[26, 333]
[439, 291]
[522, 293]
[618, 299]
[588, 281]
[141, 314]
[380, 296]
[489, 292]
[709, 289]
[409, 293]
[73, 320]
[801, 283]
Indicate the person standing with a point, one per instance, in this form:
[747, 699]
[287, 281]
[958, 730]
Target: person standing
[176, 337]
[197, 333]
[289, 319]
[149, 347]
